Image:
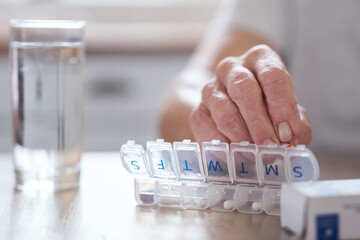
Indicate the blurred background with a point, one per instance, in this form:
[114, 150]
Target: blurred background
[134, 49]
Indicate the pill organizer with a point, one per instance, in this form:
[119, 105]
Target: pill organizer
[243, 176]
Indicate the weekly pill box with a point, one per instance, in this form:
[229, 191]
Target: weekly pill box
[240, 176]
[322, 210]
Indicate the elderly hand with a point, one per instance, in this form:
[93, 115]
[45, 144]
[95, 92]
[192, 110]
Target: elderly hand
[251, 99]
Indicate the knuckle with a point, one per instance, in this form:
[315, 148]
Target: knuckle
[225, 64]
[239, 73]
[242, 89]
[273, 75]
[220, 102]
[260, 49]
[208, 90]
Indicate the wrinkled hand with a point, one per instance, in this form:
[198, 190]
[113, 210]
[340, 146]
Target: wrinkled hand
[251, 99]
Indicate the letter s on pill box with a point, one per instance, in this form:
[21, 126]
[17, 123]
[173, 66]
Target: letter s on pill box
[322, 210]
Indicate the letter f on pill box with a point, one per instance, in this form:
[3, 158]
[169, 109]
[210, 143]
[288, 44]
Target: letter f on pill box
[161, 159]
[162, 162]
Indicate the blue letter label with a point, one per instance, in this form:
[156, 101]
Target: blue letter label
[267, 170]
[161, 164]
[134, 164]
[187, 168]
[243, 168]
[216, 166]
[299, 174]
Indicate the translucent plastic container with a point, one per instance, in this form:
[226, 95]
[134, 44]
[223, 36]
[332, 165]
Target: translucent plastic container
[249, 199]
[245, 177]
[221, 197]
[218, 172]
[194, 190]
[134, 161]
[243, 157]
[284, 164]
[271, 159]
[246, 168]
[271, 200]
[162, 164]
[301, 165]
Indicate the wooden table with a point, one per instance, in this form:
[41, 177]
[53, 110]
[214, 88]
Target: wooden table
[104, 208]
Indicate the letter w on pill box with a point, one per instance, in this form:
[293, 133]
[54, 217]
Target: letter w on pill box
[218, 172]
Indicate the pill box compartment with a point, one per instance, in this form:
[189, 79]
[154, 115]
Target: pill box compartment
[221, 197]
[249, 198]
[194, 195]
[218, 172]
[134, 160]
[167, 193]
[194, 190]
[144, 191]
[271, 200]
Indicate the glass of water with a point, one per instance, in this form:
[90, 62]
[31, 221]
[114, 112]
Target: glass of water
[46, 59]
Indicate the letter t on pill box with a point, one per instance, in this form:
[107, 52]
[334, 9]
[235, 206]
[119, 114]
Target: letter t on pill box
[249, 193]
[134, 161]
[191, 172]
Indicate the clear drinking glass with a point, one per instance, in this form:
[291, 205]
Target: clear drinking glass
[46, 59]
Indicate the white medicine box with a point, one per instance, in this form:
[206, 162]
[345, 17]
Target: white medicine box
[323, 210]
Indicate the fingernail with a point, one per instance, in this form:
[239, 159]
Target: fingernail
[285, 132]
[268, 141]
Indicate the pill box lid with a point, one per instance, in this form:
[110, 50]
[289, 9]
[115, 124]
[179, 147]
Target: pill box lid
[221, 150]
[306, 159]
[193, 149]
[270, 150]
[161, 145]
[249, 152]
[134, 159]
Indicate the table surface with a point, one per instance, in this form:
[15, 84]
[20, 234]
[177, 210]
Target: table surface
[104, 208]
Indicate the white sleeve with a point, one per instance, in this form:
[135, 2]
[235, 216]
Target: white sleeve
[263, 17]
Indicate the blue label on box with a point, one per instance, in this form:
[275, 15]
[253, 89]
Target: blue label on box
[327, 227]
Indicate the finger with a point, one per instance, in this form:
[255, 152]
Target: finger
[305, 128]
[245, 92]
[203, 127]
[225, 113]
[278, 89]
